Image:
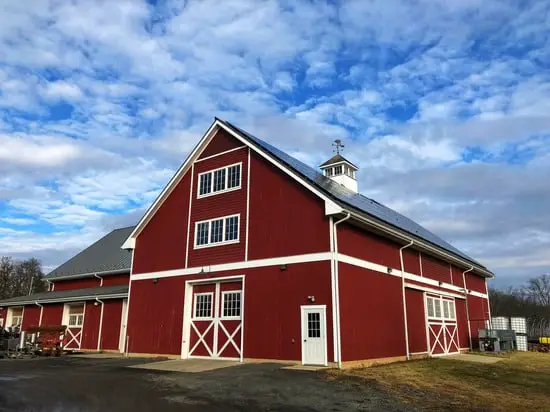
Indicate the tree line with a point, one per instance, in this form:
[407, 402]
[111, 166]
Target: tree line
[20, 277]
[531, 301]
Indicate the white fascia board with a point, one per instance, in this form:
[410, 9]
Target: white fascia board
[70, 299]
[341, 162]
[332, 208]
[86, 275]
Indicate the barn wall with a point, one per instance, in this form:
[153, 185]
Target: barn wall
[161, 245]
[411, 261]
[457, 277]
[462, 322]
[272, 297]
[436, 269]
[416, 321]
[119, 279]
[155, 316]
[112, 316]
[71, 284]
[3, 315]
[371, 314]
[218, 205]
[221, 142]
[300, 226]
[479, 313]
[474, 282]
[31, 316]
[53, 314]
[90, 330]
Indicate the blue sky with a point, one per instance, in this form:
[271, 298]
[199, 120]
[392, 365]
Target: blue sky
[444, 105]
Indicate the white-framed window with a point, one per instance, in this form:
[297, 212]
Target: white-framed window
[76, 320]
[337, 170]
[16, 318]
[203, 305]
[231, 304]
[219, 231]
[223, 179]
[76, 316]
[440, 308]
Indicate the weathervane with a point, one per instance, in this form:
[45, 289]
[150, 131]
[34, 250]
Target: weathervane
[339, 146]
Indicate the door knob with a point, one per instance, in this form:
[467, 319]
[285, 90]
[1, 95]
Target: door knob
[305, 340]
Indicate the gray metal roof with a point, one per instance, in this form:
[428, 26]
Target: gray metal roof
[348, 198]
[338, 158]
[105, 255]
[67, 295]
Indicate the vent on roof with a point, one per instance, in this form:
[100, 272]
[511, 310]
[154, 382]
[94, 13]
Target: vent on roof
[339, 169]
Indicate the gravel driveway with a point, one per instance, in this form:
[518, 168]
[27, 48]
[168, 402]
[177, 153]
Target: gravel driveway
[78, 384]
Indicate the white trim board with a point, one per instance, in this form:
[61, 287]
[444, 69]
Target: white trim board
[312, 257]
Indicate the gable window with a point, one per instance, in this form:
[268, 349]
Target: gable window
[217, 231]
[231, 304]
[220, 180]
[203, 305]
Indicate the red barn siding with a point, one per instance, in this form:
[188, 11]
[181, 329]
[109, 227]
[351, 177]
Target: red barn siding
[371, 314]
[83, 283]
[218, 205]
[3, 316]
[156, 315]
[475, 282]
[358, 243]
[479, 313]
[285, 218]
[435, 269]
[31, 317]
[90, 330]
[221, 142]
[457, 277]
[52, 314]
[462, 323]
[162, 243]
[112, 316]
[416, 321]
[119, 279]
[411, 261]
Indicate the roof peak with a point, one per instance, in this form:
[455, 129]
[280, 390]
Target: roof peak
[337, 158]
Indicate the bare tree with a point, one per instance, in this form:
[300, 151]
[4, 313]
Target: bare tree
[18, 278]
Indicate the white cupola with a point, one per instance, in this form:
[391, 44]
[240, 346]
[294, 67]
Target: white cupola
[340, 169]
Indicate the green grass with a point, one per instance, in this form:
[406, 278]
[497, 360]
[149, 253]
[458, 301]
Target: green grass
[520, 381]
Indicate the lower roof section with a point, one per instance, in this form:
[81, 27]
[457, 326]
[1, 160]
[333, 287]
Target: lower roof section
[104, 292]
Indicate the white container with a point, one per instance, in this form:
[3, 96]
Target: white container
[500, 323]
[521, 342]
[519, 325]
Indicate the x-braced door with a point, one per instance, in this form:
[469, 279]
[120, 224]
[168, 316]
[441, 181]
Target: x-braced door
[442, 325]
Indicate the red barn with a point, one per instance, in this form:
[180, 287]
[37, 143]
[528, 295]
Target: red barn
[88, 294]
[248, 253]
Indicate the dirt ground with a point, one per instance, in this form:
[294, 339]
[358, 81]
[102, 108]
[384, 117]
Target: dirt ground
[78, 384]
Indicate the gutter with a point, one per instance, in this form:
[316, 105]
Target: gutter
[100, 323]
[41, 311]
[89, 274]
[421, 244]
[337, 287]
[405, 321]
[467, 310]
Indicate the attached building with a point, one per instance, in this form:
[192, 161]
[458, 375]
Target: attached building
[88, 294]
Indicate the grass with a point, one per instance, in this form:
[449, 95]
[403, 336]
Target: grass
[520, 381]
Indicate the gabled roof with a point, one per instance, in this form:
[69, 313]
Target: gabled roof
[105, 292]
[104, 256]
[350, 199]
[338, 158]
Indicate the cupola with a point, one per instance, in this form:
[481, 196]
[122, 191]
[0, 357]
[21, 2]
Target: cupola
[339, 169]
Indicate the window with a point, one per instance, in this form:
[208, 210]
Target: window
[76, 316]
[231, 304]
[76, 320]
[217, 231]
[16, 317]
[219, 180]
[203, 305]
[439, 308]
[314, 325]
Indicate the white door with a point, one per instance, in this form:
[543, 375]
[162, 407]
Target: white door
[314, 340]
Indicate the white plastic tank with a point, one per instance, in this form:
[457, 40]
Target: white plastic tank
[519, 325]
[521, 342]
[500, 323]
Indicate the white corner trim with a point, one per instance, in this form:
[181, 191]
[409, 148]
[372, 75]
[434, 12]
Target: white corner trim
[332, 208]
[247, 207]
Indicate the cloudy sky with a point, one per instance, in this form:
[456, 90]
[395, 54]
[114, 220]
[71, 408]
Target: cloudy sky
[445, 106]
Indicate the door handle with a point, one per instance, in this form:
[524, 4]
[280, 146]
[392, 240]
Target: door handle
[305, 340]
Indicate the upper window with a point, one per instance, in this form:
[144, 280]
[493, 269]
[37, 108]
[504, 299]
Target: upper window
[203, 305]
[76, 315]
[217, 231]
[231, 304]
[16, 317]
[439, 308]
[220, 180]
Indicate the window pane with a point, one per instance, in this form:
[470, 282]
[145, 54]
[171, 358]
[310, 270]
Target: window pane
[338, 170]
[234, 176]
[437, 304]
[203, 306]
[452, 310]
[232, 228]
[219, 180]
[202, 233]
[216, 233]
[431, 312]
[446, 309]
[314, 325]
[232, 304]
[205, 184]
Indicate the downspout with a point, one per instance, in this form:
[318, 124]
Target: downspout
[41, 311]
[100, 324]
[467, 310]
[100, 279]
[337, 286]
[403, 294]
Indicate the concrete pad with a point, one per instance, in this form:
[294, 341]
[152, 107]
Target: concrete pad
[187, 365]
[300, 367]
[468, 357]
[105, 355]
